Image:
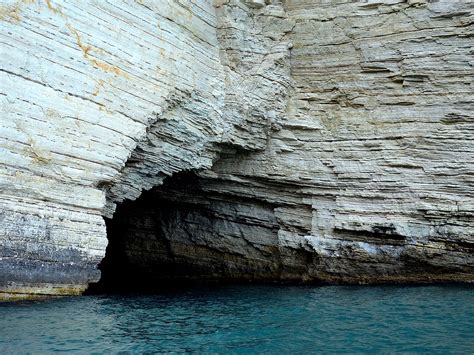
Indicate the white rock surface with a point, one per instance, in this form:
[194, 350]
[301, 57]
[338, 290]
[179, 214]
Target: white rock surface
[350, 122]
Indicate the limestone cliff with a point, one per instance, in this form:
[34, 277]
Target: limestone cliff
[323, 141]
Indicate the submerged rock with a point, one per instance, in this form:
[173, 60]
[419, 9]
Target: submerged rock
[328, 142]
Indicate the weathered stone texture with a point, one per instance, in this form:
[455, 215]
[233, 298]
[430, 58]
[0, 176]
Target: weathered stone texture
[83, 85]
[334, 138]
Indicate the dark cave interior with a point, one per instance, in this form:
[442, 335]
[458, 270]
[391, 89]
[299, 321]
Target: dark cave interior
[181, 234]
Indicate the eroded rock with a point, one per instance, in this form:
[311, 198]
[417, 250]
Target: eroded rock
[350, 122]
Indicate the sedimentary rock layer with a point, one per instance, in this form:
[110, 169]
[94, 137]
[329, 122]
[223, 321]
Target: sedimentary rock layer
[82, 85]
[333, 141]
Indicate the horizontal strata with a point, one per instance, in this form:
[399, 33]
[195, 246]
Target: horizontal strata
[195, 229]
[350, 122]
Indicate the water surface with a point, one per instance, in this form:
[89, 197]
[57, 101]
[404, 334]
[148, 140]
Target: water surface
[243, 319]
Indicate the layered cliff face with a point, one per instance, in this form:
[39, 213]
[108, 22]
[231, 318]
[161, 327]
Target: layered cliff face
[325, 142]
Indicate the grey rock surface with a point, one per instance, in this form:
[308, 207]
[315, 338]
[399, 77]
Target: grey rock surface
[332, 141]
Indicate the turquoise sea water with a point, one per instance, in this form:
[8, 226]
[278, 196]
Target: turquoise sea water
[248, 319]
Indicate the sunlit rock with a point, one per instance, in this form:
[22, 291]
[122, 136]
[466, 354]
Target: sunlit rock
[327, 141]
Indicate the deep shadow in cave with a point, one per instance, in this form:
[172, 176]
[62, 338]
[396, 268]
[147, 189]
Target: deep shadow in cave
[181, 234]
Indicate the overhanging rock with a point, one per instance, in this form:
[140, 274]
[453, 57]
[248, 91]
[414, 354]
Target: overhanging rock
[351, 122]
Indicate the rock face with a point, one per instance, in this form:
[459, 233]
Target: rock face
[323, 141]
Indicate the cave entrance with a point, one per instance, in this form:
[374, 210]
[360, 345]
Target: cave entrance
[183, 233]
[148, 238]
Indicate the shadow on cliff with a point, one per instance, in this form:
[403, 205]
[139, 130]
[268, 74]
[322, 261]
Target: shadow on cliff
[180, 235]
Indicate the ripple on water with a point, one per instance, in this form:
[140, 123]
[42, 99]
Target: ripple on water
[435, 319]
